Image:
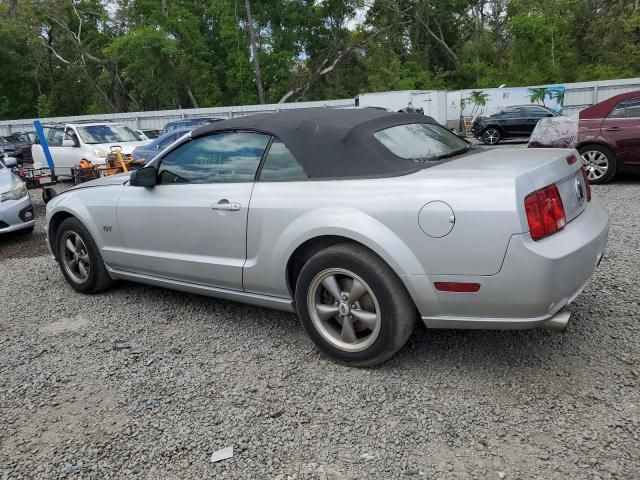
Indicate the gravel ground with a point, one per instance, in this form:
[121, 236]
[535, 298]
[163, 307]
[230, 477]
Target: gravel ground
[146, 383]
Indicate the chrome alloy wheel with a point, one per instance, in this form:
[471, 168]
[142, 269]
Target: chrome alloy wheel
[596, 163]
[344, 309]
[75, 257]
[491, 136]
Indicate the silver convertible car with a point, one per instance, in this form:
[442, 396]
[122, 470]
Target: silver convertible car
[358, 220]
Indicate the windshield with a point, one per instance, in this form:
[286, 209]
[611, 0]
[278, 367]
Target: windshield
[421, 141]
[106, 134]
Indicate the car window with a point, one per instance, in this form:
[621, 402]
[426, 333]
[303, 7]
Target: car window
[632, 109]
[220, 158]
[281, 165]
[55, 136]
[94, 134]
[618, 112]
[536, 112]
[421, 141]
[512, 113]
[165, 142]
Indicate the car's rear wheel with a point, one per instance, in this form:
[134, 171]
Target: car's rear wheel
[353, 306]
[491, 136]
[599, 162]
[80, 259]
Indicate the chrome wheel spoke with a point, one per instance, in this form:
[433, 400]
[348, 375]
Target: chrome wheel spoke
[84, 273]
[84, 257]
[367, 319]
[357, 291]
[325, 312]
[73, 264]
[331, 284]
[78, 243]
[70, 246]
[348, 334]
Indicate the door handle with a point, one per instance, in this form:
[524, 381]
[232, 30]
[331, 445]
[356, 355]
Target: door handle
[226, 205]
[613, 129]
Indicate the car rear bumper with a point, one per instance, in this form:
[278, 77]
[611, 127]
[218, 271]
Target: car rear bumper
[536, 281]
[16, 215]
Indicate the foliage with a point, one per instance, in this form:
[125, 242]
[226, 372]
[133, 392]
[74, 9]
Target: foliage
[69, 57]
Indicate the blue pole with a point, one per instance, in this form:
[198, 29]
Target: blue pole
[43, 142]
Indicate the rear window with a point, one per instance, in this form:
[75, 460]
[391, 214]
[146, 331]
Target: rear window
[421, 141]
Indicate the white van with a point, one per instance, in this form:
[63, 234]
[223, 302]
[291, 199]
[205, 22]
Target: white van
[71, 142]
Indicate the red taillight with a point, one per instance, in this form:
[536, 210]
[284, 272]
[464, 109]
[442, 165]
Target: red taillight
[457, 287]
[587, 183]
[545, 212]
[571, 159]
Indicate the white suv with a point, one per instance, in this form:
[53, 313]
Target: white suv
[71, 142]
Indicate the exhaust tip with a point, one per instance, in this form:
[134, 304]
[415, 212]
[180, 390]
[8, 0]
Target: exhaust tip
[558, 322]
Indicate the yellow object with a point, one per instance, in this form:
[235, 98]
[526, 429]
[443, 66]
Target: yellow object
[120, 158]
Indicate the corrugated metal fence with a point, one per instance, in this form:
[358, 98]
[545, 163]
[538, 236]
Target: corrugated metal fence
[157, 119]
[577, 96]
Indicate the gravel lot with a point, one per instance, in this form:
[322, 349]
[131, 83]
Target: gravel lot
[145, 383]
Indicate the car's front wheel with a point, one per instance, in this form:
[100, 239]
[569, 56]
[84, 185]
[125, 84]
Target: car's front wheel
[599, 162]
[353, 306]
[491, 136]
[80, 259]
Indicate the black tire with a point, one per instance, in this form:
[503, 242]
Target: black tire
[491, 136]
[98, 278]
[588, 152]
[397, 313]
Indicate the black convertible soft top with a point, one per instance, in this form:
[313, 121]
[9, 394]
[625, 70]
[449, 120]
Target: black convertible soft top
[332, 143]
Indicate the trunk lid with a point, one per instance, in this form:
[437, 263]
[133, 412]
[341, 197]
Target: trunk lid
[541, 166]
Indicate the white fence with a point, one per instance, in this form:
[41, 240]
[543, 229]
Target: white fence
[157, 119]
[577, 96]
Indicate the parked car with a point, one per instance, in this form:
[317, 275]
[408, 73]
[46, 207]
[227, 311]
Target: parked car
[189, 122]
[358, 220]
[71, 142]
[148, 134]
[16, 211]
[517, 121]
[146, 152]
[16, 144]
[609, 136]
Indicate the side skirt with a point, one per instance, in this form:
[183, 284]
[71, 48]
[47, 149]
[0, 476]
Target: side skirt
[277, 303]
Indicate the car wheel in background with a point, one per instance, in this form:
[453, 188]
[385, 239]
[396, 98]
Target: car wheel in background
[491, 136]
[599, 162]
[80, 259]
[353, 306]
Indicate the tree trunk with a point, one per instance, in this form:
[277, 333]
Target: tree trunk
[192, 98]
[254, 52]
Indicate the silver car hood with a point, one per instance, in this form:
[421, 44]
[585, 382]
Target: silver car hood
[118, 179]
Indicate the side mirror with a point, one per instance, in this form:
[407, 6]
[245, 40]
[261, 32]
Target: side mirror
[68, 143]
[10, 162]
[143, 177]
[48, 194]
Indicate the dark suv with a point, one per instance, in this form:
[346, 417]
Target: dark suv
[517, 121]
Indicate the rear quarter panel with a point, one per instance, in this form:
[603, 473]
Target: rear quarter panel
[383, 214]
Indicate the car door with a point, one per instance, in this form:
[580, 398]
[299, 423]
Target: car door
[63, 157]
[192, 225]
[531, 117]
[621, 128]
[509, 120]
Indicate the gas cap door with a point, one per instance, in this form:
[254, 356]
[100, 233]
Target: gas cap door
[436, 219]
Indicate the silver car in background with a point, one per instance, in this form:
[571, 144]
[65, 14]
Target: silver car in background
[16, 211]
[358, 220]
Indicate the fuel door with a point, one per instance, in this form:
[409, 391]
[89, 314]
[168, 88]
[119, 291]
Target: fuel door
[436, 219]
